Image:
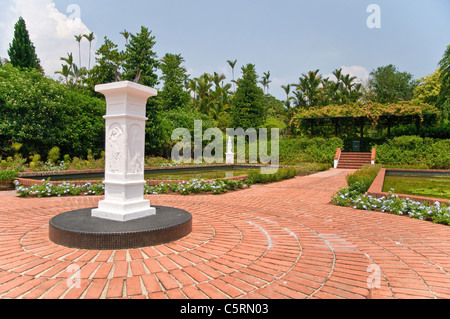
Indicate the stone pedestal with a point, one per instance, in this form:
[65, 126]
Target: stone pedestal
[124, 152]
[229, 154]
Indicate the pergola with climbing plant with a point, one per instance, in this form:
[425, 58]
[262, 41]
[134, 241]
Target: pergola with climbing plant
[360, 114]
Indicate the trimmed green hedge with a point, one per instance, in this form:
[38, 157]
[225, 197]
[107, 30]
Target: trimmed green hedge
[415, 150]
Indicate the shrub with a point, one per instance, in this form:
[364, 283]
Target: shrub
[281, 174]
[54, 155]
[309, 150]
[8, 175]
[415, 151]
[40, 113]
[362, 179]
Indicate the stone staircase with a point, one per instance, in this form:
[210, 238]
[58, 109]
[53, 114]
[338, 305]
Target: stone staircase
[353, 160]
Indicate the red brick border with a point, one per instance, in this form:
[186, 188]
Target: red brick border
[376, 190]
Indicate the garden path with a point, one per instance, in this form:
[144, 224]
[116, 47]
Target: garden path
[278, 241]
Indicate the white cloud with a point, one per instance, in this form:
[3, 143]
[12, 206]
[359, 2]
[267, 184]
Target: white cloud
[51, 31]
[361, 73]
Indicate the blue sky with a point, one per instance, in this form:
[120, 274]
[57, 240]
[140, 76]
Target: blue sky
[285, 37]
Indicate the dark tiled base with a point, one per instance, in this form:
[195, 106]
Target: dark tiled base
[78, 229]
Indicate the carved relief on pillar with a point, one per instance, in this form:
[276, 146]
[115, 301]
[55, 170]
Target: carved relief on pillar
[136, 146]
[115, 142]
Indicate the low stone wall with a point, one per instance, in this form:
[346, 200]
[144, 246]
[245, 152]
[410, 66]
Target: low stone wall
[376, 190]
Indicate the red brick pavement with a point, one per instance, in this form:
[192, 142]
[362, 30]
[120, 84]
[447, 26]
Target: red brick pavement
[278, 241]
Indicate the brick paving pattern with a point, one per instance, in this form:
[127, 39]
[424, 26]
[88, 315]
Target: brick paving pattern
[278, 241]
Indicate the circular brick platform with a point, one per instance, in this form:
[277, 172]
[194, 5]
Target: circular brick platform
[277, 241]
[78, 229]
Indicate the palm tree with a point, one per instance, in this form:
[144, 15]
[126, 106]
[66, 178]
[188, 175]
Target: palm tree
[126, 35]
[233, 65]
[69, 61]
[266, 81]
[287, 90]
[308, 89]
[65, 71]
[90, 37]
[444, 67]
[193, 85]
[77, 73]
[78, 38]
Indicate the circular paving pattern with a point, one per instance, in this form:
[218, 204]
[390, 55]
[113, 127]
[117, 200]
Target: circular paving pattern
[276, 241]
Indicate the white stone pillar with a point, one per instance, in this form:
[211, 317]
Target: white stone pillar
[229, 154]
[124, 152]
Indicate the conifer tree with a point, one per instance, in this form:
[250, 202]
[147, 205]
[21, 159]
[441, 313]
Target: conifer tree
[248, 107]
[173, 74]
[140, 57]
[21, 51]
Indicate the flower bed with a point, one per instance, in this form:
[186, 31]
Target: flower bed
[428, 209]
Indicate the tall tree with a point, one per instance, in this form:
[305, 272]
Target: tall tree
[444, 93]
[126, 35]
[232, 65]
[90, 37]
[248, 108]
[265, 81]
[308, 89]
[22, 52]
[173, 95]
[389, 85]
[78, 38]
[109, 60]
[140, 57]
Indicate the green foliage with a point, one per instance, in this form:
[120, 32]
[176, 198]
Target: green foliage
[362, 179]
[173, 95]
[388, 85]
[41, 113]
[159, 136]
[281, 174]
[54, 155]
[415, 150]
[8, 175]
[248, 110]
[21, 51]
[109, 59]
[140, 56]
[309, 150]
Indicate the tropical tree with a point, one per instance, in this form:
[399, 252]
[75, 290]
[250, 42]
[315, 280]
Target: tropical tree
[109, 61]
[68, 60]
[126, 35]
[90, 37]
[78, 38]
[65, 72]
[444, 93]
[22, 52]
[140, 58]
[388, 85]
[265, 81]
[232, 65]
[308, 89]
